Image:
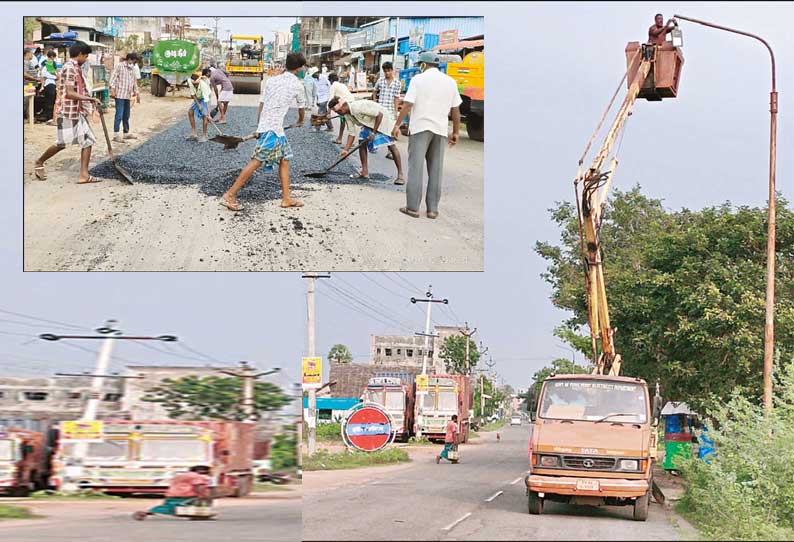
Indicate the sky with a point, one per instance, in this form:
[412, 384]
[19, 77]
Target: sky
[551, 70]
[258, 26]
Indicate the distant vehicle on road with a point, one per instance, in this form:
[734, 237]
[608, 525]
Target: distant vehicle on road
[515, 420]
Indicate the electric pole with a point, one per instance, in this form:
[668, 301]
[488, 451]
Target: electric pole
[249, 375]
[468, 333]
[429, 300]
[216, 27]
[311, 417]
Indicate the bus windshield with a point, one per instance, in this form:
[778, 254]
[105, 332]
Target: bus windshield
[594, 400]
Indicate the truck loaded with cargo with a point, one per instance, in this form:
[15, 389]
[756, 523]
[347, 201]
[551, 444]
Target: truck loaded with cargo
[142, 456]
[445, 396]
[24, 461]
[396, 396]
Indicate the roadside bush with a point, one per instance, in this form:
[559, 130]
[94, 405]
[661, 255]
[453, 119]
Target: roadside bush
[282, 453]
[421, 441]
[746, 491]
[16, 512]
[325, 460]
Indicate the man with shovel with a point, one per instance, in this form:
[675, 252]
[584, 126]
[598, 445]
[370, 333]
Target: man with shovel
[74, 105]
[200, 89]
[272, 147]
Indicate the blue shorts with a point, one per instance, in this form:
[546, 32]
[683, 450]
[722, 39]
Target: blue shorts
[200, 112]
[381, 140]
[271, 149]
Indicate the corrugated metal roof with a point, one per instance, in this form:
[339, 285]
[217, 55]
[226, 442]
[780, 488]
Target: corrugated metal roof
[466, 26]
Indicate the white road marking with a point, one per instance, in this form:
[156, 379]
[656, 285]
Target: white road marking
[454, 523]
[492, 497]
[514, 482]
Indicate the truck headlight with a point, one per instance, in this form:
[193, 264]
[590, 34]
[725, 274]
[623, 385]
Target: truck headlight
[549, 461]
[629, 464]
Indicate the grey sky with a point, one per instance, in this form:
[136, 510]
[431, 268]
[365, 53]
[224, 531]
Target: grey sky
[259, 26]
[551, 70]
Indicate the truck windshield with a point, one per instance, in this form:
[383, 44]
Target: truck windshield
[448, 400]
[6, 450]
[394, 400]
[174, 449]
[108, 449]
[591, 400]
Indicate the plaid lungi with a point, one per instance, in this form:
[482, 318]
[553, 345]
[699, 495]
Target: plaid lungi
[74, 132]
[271, 149]
[380, 140]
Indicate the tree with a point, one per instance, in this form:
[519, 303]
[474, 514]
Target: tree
[283, 451]
[686, 291]
[131, 43]
[28, 26]
[213, 397]
[340, 353]
[453, 353]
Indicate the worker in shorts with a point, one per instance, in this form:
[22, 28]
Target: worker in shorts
[272, 148]
[184, 489]
[376, 122]
[74, 106]
[218, 78]
[199, 87]
[450, 439]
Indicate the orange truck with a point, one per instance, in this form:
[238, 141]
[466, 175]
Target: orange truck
[142, 456]
[24, 461]
[593, 442]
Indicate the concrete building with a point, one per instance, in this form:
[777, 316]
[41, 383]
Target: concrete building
[281, 45]
[316, 34]
[410, 349]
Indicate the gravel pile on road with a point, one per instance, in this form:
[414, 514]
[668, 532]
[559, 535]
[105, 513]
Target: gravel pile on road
[168, 159]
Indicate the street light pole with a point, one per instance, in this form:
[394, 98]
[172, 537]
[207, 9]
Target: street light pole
[769, 325]
[467, 334]
[312, 410]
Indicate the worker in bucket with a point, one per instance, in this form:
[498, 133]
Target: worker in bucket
[658, 30]
[450, 439]
[200, 88]
[185, 489]
[375, 122]
[272, 148]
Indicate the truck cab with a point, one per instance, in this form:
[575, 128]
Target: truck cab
[23, 461]
[446, 395]
[593, 442]
[396, 398]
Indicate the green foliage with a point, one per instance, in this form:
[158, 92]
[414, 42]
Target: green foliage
[78, 495]
[340, 353]
[325, 432]
[453, 352]
[16, 512]
[497, 395]
[686, 291]
[28, 26]
[494, 426]
[325, 460]
[213, 397]
[283, 451]
[746, 491]
[421, 441]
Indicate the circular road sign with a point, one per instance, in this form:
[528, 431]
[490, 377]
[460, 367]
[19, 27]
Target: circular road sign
[367, 427]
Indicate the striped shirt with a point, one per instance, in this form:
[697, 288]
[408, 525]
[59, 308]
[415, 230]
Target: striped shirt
[387, 92]
[71, 76]
[123, 81]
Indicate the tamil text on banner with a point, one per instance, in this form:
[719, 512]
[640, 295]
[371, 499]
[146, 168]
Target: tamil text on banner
[312, 372]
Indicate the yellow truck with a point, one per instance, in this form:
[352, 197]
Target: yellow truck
[244, 63]
[469, 74]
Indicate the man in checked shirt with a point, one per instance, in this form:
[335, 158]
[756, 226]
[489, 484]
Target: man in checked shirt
[124, 87]
[74, 105]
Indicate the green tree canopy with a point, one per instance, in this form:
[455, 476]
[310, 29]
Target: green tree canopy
[213, 397]
[340, 353]
[686, 291]
[453, 352]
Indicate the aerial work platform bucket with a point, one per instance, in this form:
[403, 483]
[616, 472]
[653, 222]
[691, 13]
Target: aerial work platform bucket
[662, 80]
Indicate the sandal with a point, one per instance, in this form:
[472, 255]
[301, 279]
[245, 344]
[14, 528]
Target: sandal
[294, 203]
[231, 206]
[409, 212]
[91, 180]
[358, 175]
[191, 138]
[399, 181]
[39, 172]
[432, 214]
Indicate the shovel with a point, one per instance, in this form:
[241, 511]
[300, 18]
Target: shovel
[123, 172]
[319, 174]
[231, 142]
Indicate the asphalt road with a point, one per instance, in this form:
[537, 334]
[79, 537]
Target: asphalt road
[481, 498]
[102, 521]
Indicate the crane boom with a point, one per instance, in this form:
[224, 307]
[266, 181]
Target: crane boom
[595, 187]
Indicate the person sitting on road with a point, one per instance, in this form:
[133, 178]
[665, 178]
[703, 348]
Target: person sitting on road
[450, 439]
[185, 489]
[376, 122]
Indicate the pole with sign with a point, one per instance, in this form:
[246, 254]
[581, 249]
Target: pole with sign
[312, 363]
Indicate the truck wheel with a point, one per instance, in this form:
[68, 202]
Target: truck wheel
[475, 127]
[641, 507]
[535, 503]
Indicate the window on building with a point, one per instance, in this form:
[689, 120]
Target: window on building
[2, 394]
[419, 352]
[74, 395]
[409, 352]
[112, 397]
[399, 351]
[378, 351]
[388, 351]
[430, 354]
[35, 395]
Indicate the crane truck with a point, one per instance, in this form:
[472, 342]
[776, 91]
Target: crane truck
[594, 438]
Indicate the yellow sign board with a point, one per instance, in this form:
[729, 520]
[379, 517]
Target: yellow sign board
[312, 372]
[421, 382]
[82, 430]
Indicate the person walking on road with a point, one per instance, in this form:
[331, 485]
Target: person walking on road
[387, 92]
[375, 122]
[184, 489]
[450, 439]
[323, 86]
[218, 78]
[50, 76]
[272, 147]
[74, 105]
[431, 98]
[339, 90]
[200, 88]
[124, 88]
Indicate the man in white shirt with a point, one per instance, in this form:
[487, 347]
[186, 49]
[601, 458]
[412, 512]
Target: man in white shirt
[431, 97]
[323, 96]
[272, 147]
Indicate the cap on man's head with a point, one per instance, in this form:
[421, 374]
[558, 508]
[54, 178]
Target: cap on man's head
[428, 57]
